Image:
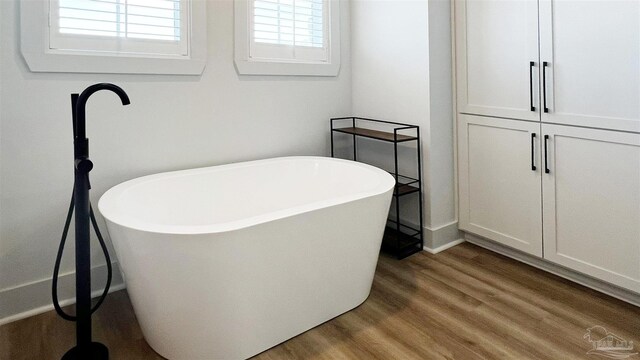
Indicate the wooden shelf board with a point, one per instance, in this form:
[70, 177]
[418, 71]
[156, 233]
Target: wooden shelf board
[404, 189]
[374, 134]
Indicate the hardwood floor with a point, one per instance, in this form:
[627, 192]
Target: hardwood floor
[464, 303]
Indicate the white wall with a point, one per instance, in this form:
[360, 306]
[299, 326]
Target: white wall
[173, 122]
[401, 59]
[390, 58]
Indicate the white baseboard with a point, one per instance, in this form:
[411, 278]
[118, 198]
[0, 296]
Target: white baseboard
[443, 247]
[598, 285]
[35, 298]
[442, 237]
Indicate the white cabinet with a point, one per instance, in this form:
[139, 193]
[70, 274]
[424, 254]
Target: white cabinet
[585, 56]
[592, 203]
[499, 181]
[582, 186]
[580, 206]
[497, 58]
[592, 51]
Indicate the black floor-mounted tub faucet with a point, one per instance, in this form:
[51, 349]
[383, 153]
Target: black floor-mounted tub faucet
[85, 348]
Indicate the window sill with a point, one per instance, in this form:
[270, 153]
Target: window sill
[40, 61]
[249, 67]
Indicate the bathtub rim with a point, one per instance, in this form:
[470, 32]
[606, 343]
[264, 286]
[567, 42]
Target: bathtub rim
[107, 205]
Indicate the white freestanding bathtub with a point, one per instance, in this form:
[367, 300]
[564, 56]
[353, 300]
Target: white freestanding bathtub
[227, 261]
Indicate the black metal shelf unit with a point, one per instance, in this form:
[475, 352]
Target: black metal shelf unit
[400, 239]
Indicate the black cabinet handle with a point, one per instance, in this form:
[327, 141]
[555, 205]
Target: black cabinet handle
[544, 86]
[531, 65]
[546, 150]
[533, 148]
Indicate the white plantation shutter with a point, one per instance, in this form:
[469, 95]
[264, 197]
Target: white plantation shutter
[150, 27]
[294, 30]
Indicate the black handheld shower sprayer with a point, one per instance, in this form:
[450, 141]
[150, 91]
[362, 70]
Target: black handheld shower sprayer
[85, 348]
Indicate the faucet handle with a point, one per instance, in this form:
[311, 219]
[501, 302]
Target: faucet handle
[84, 165]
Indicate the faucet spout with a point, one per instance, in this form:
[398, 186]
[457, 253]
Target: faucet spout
[80, 104]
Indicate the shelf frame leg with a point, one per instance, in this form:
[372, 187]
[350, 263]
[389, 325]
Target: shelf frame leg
[331, 121]
[420, 188]
[355, 141]
[395, 191]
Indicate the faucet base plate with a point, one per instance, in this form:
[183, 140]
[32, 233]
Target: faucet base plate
[96, 351]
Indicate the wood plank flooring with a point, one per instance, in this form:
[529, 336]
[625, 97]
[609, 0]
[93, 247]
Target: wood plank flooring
[464, 303]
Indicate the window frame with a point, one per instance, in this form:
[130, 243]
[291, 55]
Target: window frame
[40, 57]
[248, 65]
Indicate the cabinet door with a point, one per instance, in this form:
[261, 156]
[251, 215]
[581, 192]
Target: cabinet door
[496, 43]
[592, 203]
[592, 50]
[499, 181]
